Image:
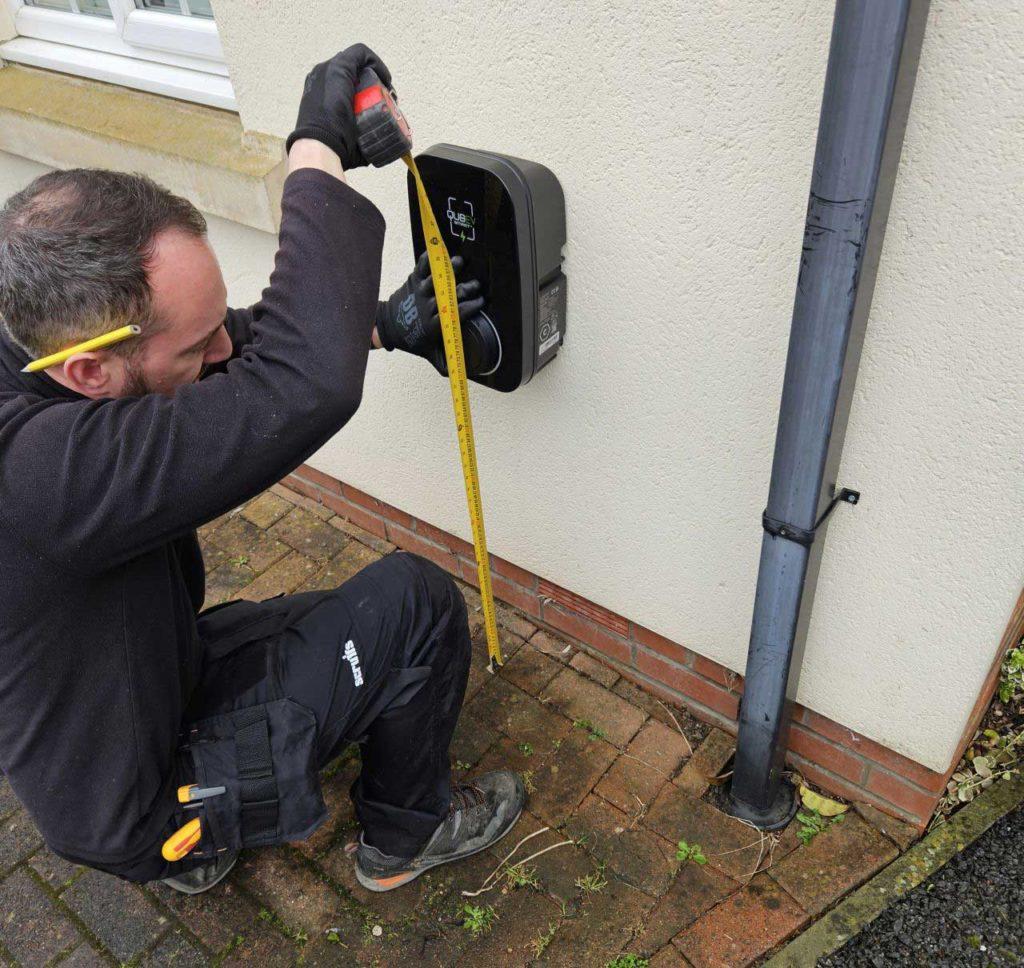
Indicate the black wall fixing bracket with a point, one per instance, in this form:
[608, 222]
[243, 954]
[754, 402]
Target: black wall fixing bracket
[780, 529]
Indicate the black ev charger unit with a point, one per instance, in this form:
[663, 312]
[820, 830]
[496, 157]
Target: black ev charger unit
[506, 218]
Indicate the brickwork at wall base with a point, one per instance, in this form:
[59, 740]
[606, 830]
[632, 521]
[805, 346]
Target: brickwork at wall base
[825, 752]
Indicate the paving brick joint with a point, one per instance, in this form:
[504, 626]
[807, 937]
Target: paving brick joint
[617, 777]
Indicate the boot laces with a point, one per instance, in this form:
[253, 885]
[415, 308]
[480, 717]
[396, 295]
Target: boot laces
[466, 796]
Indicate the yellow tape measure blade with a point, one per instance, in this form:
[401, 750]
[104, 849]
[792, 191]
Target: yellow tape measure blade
[448, 311]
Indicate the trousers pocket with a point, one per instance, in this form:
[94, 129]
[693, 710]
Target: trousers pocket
[265, 758]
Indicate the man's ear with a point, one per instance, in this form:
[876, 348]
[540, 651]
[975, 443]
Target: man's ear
[88, 374]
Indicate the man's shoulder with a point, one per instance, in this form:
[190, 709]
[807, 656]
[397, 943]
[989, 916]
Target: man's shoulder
[17, 402]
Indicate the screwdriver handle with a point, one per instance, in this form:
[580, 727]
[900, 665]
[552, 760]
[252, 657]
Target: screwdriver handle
[182, 841]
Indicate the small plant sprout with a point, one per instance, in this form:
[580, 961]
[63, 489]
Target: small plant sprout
[593, 883]
[813, 823]
[593, 730]
[628, 961]
[1011, 680]
[525, 748]
[519, 876]
[690, 853]
[539, 944]
[239, 560]
[990, 757]
[478, 920]
[528, 783]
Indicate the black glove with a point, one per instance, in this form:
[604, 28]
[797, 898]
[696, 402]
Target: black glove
[409, 320]
[326, 111]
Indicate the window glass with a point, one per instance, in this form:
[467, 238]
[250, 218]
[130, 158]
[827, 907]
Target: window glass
[50, 4]
[98, 8]
[164, 6]
[195, 8]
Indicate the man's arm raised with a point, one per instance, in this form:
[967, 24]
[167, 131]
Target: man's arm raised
[304, 153]
[103, 481]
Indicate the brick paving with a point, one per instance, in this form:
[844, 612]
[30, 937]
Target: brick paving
[615, 777]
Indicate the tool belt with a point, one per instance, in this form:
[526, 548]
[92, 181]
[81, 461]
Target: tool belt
[265, 758]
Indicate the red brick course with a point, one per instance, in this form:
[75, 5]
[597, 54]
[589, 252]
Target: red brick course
[357, 514]
[891, 760]
[445, 540]
[588, 632]
[828, 753]
[689, 684]
[660, 644]
[580, 605]
[409, 541]
[834, 758]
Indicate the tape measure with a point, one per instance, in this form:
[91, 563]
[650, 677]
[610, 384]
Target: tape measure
[384, 135]
[451, 329]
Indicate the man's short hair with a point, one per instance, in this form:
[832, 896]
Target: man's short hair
[74, 249]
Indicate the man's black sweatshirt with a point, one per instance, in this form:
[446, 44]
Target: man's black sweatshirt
[99, 502]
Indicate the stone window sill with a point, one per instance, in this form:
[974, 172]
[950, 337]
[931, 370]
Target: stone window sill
[196, 151]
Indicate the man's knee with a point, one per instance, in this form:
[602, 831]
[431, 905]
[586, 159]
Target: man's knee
[416, 590]
[436, 591]
[440, 586]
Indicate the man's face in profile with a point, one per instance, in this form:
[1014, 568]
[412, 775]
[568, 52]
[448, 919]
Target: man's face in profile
[190, 302]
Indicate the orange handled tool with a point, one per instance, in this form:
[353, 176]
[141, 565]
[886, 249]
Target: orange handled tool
[193, 793]
[182, 841]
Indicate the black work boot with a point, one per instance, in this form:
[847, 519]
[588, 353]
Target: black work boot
[481, 813]
[202, 878]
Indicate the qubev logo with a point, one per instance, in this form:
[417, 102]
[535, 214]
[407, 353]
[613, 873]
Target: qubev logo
[462, 223]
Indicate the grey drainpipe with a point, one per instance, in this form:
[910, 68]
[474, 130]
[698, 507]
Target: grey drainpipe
[869, 82]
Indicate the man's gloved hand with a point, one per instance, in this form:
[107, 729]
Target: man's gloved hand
[326, 113]
[409, 320]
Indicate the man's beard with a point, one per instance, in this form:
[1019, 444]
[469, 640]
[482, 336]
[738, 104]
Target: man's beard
[136, 384]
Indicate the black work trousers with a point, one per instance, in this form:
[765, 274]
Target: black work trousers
[381, 661]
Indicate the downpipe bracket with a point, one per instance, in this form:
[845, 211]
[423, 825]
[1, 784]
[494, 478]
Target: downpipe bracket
[803, 536]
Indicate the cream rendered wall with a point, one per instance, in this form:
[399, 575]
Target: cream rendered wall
[633, 470]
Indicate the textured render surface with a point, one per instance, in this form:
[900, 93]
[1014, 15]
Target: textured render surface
[634, 469]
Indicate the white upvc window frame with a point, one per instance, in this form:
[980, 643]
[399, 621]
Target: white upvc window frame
[165, 53]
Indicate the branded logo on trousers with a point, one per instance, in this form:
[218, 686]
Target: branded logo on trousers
[353, 660]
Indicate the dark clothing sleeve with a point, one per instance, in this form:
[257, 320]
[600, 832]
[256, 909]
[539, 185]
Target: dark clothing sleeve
[97, 483]
[238, 323]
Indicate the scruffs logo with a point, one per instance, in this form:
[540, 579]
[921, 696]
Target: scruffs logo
[353, 660]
